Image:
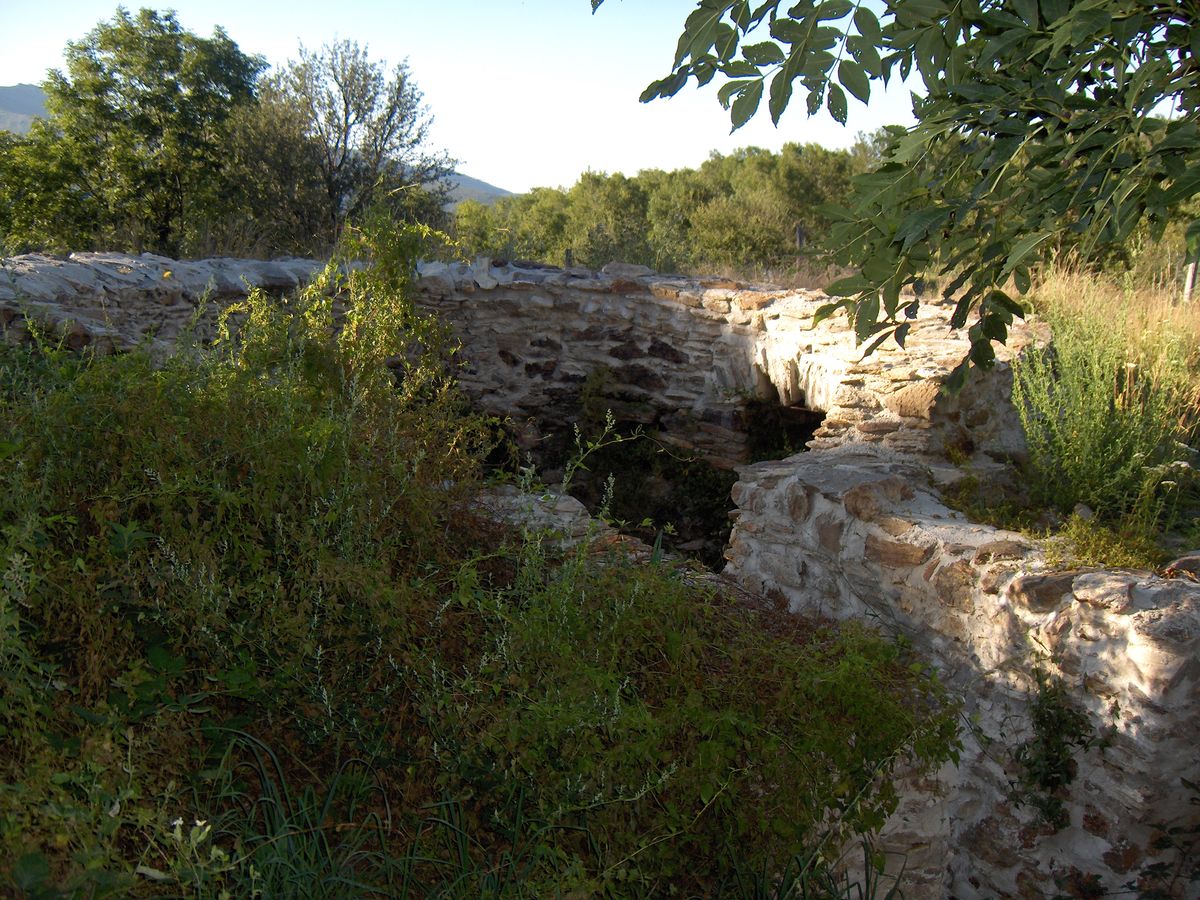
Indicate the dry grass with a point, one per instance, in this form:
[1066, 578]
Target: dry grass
[1147, 312]
[803, 274]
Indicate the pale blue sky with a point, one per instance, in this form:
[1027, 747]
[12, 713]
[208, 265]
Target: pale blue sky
[523, 92]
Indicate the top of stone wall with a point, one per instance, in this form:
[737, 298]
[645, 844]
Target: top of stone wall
[743, 339]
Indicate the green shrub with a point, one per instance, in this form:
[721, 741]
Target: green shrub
[1104, 425]
[653, 717]
[253, 635]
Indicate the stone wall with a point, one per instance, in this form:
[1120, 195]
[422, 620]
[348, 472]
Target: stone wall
[860, 532]
[854, 528]
[679, 356]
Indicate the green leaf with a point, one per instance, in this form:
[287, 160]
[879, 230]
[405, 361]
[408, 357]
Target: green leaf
[1184, 187]
[728, 89]
[866, 314]
[825, 311]
[1192, 236]
[726, 41]
[982, 353]
[887, 333]
[1182, 135]
[867, 24]
[88, 716]
[957, 378]
[788, 31]
[30, 873]
[918, 225]
[836, 102]
[851, 284]
[854, 80]
[961, 309]
[867, 55]
[781, 94]
[746, 105]
[739, 68]
[879, 268]
[831, 10]
[1024, 247]
[765, 54]
[1028, 11]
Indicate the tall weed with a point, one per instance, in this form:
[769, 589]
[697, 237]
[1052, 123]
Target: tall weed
[1110, 405]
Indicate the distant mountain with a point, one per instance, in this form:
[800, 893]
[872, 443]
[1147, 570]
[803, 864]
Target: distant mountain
[20, 104]
[467, 188]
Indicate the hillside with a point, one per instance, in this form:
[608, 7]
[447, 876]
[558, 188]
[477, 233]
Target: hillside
[20, 104]
[468, 188]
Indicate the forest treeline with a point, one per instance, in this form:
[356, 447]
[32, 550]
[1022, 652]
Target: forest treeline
[753, 211]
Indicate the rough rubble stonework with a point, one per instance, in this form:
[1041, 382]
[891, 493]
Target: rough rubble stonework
[677, 355]
[857, 532]
[854, 528]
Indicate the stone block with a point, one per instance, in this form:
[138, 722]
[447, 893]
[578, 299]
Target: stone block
[1042, 593]
[896, 554]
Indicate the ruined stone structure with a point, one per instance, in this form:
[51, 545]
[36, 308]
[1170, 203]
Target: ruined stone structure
[677, 355]
[877, 543]
[853, 528]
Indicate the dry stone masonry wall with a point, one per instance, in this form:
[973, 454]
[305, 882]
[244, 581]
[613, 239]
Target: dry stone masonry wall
[854, 528]
[680, 356]
[859, 532]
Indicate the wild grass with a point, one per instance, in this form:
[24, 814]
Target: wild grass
[256, 638]
[1110, 410]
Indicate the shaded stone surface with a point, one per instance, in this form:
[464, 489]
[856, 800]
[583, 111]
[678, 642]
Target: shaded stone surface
[980, 604]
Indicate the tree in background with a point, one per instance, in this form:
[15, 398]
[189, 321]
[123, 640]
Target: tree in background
[606, 220]
[273, 196]
[140, 111]
[43, 203]
[1059, 117]
[746, 212]
[161, 140]
[371, 130]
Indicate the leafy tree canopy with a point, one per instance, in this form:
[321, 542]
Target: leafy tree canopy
[140, 107]
[371, 127]
[1043, 124]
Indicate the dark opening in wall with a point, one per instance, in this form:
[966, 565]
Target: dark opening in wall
[774, 431]
[659, 490]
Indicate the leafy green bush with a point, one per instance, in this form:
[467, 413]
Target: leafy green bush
[650, 716]
[254, 635]
[1104, 424]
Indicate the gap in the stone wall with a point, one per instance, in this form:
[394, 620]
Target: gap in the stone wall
[659, 491]
[775, 431]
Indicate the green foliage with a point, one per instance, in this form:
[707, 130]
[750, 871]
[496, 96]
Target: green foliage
[140, 108]
[43, 204]
[1104, 427]
[1047, 760]
[1127, 544]
[737, 212]
[161, 140]
[272, 200]
[649, 719]
[1049, 114]
[370, 130]
[254, 636]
